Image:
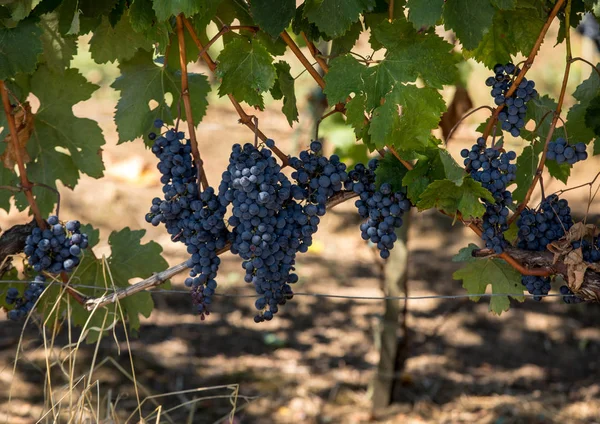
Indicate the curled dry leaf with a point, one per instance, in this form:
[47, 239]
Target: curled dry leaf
[24, 122]
[573, 258]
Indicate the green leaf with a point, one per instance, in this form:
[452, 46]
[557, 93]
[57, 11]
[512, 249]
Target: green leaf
[345, 77]
[95, 8]
[560, 172]
[416, 180]
[355, 116]
[466, 254]
[334, 17]
[597, 147]
[20, 9]
[345, 43]
[447, 196]
[469, 19]
[246, 70]
[273, 16]
[142, 81]
[527, 163]
[495, 47]
[539, 109]
[424, 13]
[504, 279]
[411, 54]
[119, 43]
[141, 15]
[523, 28]
[452, 171]
[592, 115]
[19, 49]
[390, 171]
[58, 50]
[284, 88]
[407, 117]
[166, 8]
[8, 178]
[505, 4]
[301, 24]
[57, 131]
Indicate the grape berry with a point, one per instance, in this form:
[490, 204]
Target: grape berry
[563, 152]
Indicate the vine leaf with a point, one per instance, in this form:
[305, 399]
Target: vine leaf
[469, 19]
[466, 254]
[577, 121]
[390, 171]
[417, 180]
[527, 164]
[166, 8]
[592, 115]
[246, 69]
[273, 16]
[560, 172]
[141, 15]
[477, 275]
[143, 81]
[51, 136]
[284, 88]
[334, 17]
[345, 76]
[411, 54]
[9, 178]
[120, 42]
[407, 117]
[58, 50]
[19, 49]
[505, 4]
[424, 13]
[345, 43]
[447, 196]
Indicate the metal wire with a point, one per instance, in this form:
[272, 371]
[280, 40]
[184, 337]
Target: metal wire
[318, 295]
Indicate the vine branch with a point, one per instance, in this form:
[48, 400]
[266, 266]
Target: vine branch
[185, 93]
[555, 119]
[298, 53]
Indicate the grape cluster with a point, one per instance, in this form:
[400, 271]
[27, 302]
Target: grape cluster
[57, 248]
[563, 152]
[569, 296]
[263, 236]
[537, 286]
[382, 207]
[193, 218]
[538, 228]
[24, 304]
[495, 172]
[512, 117]
[317, 177]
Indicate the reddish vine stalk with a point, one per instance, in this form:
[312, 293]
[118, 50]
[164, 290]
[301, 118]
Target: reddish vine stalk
[185, 94]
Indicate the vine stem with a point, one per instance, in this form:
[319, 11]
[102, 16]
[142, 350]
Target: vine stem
[315, 53]
[185, 93]
[526, 66]
[14, 141]
[298, 53]
[244, 117]
[540, 169]
[161, 277]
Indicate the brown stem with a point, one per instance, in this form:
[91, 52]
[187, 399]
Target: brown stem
[526, 66]
[315, 53]
[14, 141]
[391, 11]
[465, 117]
[555, 118]
[296, 50]
[185, 93]
[406, 164]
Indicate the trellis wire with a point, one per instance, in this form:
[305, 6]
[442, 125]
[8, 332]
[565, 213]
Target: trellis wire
[322, 295]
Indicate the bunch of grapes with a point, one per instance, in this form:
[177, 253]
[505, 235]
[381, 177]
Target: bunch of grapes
[561, 151]
[537, 286]
[512, 117]
[317, 177]
[193, 218]
[258, 190]
[538, 228]
[24, 304]
[382, 207]
[569, 296]
[57, 248]
[179, 179]
[495, 172]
